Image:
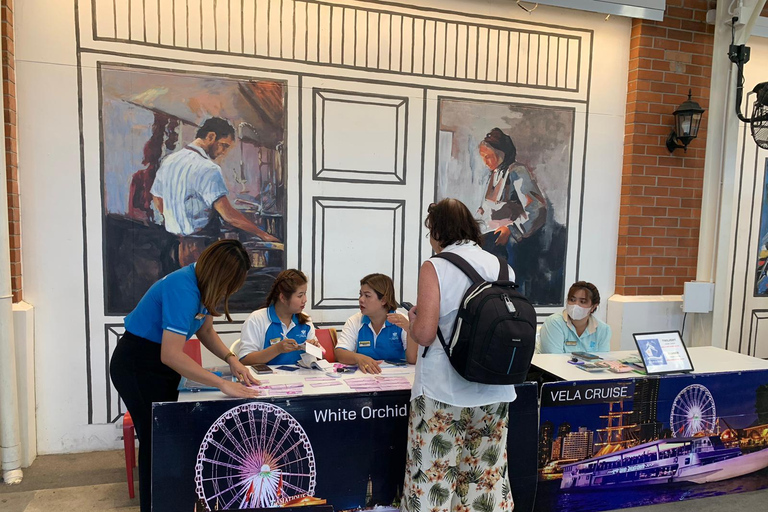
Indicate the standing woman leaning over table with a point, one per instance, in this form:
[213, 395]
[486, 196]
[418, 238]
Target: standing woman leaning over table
[377, 332]
[149, 359]
[455, 426]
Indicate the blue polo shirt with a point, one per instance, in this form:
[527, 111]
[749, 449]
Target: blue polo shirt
[558, 335]
[275, 333]
[358, 336]
[171, 304]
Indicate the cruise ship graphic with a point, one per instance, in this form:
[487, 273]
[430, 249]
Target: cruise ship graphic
[696, 453]
[695, 459]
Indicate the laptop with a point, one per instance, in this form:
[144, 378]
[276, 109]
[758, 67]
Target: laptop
[663, 352]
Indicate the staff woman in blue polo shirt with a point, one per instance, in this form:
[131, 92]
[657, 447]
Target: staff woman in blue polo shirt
[149, 359]
[576, 329]
[276, 333]
[377, 332]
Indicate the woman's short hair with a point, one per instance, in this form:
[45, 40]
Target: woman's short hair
[449, 221]
[591, 290]
[221, 270]
[384, 288]
[286, 284]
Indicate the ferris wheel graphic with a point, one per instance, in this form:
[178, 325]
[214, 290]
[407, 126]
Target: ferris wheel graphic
[255, 455]
[693, 411]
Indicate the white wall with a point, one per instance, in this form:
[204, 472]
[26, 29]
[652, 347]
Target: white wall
[60, 183]
[746, 317]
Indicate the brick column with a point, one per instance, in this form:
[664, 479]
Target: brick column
[11, 158]
[661, 193]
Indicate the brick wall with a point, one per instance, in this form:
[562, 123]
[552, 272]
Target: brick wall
[661, 193]
[11, 160]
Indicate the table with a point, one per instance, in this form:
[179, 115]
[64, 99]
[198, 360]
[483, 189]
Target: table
[282, 383]
[343, 443]
[704, 359]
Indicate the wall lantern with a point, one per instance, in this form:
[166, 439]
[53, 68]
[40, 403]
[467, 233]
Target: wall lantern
[687, 120]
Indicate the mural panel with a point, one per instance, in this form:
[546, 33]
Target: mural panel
[511, 164]
[761, 280]
[186, 160]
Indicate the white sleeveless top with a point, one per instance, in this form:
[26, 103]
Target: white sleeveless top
[435, 377]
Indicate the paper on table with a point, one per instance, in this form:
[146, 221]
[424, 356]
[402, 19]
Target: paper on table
[314, 350]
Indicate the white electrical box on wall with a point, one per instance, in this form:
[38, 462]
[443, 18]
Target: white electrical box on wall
[698, 297]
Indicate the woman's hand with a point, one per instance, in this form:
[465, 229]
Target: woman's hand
[241, 373]
[411, 316]
[399, 320]
[287, 345]
[237, 390]
[367, 364]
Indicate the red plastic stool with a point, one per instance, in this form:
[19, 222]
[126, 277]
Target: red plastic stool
[129, 442]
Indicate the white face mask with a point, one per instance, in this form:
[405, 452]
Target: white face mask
[577, 312]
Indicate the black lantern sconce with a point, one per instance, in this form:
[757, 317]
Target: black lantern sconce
[687, 120]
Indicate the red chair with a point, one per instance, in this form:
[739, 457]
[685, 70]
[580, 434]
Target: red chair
[327, 339]
[192, 349]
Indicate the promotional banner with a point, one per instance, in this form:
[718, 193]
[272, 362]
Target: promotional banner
[606, 445]
[347, 451]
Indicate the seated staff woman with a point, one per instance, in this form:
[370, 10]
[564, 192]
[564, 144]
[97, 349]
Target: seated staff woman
[149, 359]
[274, 334]
[575, 329]
[377, 332]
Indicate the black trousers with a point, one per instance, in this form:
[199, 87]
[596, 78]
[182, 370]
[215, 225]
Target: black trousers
[141, 378]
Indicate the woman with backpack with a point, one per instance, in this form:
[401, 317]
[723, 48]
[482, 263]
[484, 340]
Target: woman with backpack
[457, 436]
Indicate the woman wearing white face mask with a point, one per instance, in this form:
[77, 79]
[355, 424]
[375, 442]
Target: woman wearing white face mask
[575, 329]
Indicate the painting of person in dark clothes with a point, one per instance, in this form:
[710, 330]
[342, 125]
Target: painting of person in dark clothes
[520, 207]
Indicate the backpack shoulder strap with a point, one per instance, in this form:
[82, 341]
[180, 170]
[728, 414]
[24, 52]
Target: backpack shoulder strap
[503, 269]
[462, 265]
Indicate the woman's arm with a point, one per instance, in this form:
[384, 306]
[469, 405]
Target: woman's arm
[346, 342]
[604, 343]
[172, 355]
[411, 348]
[424, 324]
[552, 338]
[211, 340]
[411, 351]
[346, 347]
[271, 352]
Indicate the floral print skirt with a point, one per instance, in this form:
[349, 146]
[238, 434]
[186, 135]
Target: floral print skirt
[457, 458]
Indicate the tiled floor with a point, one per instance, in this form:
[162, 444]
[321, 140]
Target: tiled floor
[73, 482]
[96, 481]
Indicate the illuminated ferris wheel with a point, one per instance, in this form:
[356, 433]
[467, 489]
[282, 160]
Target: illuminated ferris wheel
[255, 455]
[693, 412]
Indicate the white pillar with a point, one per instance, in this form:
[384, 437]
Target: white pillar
[10, 439]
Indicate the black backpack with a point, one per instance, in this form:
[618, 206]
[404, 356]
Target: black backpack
[494, 335]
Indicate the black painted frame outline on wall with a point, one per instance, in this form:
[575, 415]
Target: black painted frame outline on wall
[320, 206]
[320, 172]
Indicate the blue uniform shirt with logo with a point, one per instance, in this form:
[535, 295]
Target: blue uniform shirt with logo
[358, 336]
[171, 304]
[274, 335]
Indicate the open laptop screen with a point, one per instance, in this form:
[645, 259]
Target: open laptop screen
[663, 352]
